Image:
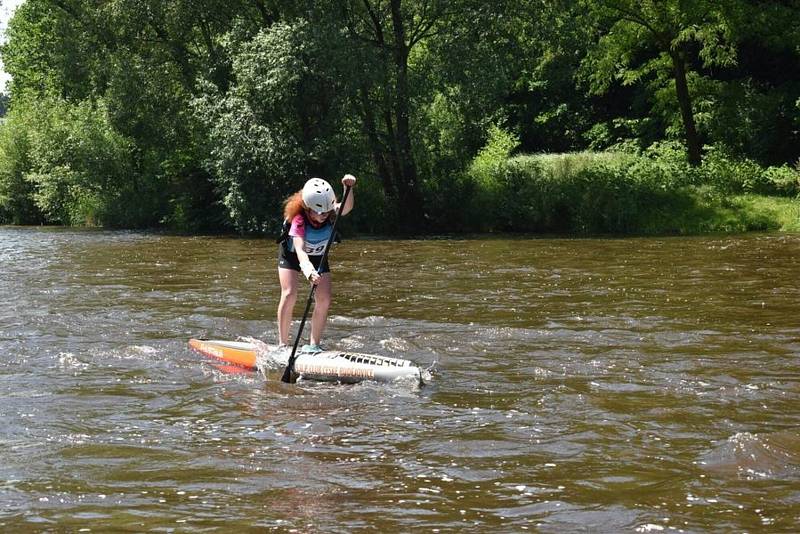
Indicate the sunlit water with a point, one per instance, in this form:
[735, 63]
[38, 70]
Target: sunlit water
[596, 385]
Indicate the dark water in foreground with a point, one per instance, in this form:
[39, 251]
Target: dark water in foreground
[638, 385]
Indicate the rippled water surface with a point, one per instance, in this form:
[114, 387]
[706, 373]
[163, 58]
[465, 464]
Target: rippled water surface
[594, 385]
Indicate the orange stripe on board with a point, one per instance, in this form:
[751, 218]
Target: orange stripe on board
[242, 357]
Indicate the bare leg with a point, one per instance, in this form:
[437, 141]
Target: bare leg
[288, 278]
[322, 301]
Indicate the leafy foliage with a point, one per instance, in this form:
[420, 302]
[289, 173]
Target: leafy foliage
[76, 168]
[16, 193]
[652, 192]
[203, 116]
[277, 124]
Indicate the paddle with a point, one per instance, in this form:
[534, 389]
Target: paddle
[289, 371]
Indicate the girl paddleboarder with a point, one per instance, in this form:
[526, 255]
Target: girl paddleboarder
[308, 221]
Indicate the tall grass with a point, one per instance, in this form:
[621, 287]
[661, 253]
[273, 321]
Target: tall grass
[656, 192]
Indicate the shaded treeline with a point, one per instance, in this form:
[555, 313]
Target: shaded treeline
[202, 115]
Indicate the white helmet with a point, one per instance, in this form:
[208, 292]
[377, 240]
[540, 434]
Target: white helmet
[318, 195]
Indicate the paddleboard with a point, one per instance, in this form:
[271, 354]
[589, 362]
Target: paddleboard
[328, 366]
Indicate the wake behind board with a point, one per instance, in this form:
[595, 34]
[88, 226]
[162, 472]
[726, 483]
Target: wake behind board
[327, 366]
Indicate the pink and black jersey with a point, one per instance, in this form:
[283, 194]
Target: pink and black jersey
[316, 239]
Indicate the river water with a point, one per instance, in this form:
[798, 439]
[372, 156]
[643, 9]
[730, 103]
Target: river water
[597, 385]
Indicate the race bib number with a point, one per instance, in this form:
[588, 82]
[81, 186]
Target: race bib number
[315, 249]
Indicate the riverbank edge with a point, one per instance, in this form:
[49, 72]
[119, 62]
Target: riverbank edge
[747, 213]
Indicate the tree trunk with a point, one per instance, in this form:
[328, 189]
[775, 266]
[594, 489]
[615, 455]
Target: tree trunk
[375, 146]
[693, 145]
[410, 198]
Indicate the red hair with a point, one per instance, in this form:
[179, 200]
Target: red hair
[294, 206]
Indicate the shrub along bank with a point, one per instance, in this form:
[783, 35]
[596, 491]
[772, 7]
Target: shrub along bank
[80, 172]
[652, 192]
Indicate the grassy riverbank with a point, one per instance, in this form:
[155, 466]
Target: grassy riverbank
[655, 192]
[704, 213]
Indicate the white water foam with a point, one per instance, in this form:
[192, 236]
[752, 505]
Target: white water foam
[68, 360]
[268, 357]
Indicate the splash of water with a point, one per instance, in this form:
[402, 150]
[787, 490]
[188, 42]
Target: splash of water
[269, 358]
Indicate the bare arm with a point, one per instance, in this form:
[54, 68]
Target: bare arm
[348, 181]
[305, 263]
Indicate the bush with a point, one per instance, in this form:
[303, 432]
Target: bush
[654, 192]
[583, 192]
[484, 180]
[16, 193]
[730, 175]
[784, 180]
[487, 165]
[67, 161]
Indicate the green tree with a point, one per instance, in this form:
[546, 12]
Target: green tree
[72, 165]
[282, 119]
[748, 107]
[47, 53]
[16, 193]
[142, 59]
[663, 39]
[388, 33]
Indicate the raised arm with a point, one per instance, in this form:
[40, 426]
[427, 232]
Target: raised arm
[348, 181]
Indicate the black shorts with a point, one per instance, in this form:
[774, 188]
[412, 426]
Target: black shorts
[288, 260]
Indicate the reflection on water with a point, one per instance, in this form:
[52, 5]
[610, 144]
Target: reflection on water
[590, 384]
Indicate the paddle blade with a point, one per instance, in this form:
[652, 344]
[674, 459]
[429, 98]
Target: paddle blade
[289, 377]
